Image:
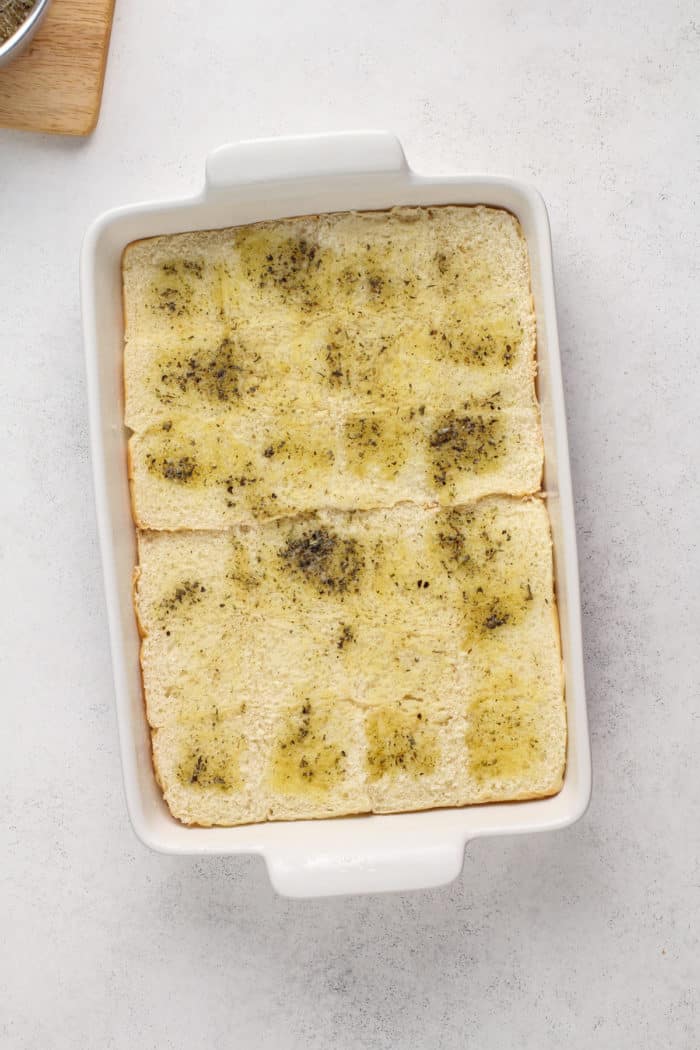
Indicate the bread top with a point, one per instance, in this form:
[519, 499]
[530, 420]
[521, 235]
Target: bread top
[350, 360]
[344, 607]
[340, 663]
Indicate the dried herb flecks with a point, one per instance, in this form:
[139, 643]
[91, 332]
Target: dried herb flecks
[332, 563]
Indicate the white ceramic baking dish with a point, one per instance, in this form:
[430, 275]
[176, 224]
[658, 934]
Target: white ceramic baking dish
[267, 179]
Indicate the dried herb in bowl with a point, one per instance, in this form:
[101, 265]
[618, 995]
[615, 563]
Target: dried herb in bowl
[12, 14]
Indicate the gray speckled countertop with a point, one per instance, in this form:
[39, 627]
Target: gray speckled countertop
[584, 938]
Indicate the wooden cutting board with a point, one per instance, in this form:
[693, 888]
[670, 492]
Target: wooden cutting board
[56, 84]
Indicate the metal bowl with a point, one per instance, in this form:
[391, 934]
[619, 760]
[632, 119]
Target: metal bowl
[15, 44]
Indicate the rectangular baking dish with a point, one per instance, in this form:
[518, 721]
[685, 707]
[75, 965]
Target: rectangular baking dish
[269, 179]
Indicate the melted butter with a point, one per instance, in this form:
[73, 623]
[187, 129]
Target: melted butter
[476, 551]
[403, 376]
[482, 325]
[396, 568]
[367, 277]
[297, 452]
[184, 294]
[347, 356]
[179, 600]
[172, 291]
[243, 570]
[195, 455]
[399, 741]
[296, 464]
[494, 603]
[210, 757]
[475, 339]
[220, 375]
[306, 759]
[345, 637]
[503, 739]
[270, 474]
[292, 268]
[206, 663]
[376, 445]
[177, 462]
[472, 439]
[284, 265]
[325, 560]
[466, 271]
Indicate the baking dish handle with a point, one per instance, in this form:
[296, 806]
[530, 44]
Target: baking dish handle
[380, 870]
[350, 153]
